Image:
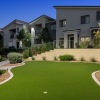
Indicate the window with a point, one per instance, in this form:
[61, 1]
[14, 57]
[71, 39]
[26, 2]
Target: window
[53, 27]
[85, 19]
[11, 36]
[61, 42]
[98, 15]
[83, 39]
[63, 23]
[17, 29]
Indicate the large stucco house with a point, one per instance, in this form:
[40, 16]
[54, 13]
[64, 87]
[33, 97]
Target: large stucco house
[76, 24]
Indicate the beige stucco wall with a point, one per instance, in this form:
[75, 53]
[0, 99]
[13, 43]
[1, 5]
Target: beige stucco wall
[77, 53]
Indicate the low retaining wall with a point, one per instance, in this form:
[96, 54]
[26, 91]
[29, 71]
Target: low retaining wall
[78, 53]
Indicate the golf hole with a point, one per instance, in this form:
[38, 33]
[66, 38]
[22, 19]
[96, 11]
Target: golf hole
[45, 92]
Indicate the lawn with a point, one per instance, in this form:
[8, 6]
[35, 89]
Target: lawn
[61, 80]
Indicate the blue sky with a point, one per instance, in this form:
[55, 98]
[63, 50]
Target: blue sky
[27, 10]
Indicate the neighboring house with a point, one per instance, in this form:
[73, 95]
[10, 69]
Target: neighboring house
[11, 31]
[1, 31]
[41, 22]
[1, 37]
[76, 24]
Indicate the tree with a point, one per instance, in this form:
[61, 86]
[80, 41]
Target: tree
[45, 35]
[97, 38]
[21, 35]
[25, 37]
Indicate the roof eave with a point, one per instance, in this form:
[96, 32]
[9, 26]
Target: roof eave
[76, 7]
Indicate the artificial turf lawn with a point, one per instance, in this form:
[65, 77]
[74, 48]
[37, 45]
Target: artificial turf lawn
[62, 81]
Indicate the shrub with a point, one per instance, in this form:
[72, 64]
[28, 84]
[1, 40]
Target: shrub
[84, 44]
[38, 50]
[34, 50]
[55, 58]
[33, 58]
[0, 58]
[30, 53]
[2, 71]
[66, 57]
[43, 48]
[97, 43]
[92, 59]
[15, 58]
[44, 58]
[82, 59]
[26, 54]
[48, 46]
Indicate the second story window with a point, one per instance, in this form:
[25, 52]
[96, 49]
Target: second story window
[85, 19]
[63, 23]
[11, 36]
[53, 27]
[17, 29]
[98, 15]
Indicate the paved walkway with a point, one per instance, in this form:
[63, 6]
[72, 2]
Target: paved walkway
[6, 67]
[4, 62]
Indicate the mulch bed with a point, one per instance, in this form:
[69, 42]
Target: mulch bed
[98, 76]
[4, 76]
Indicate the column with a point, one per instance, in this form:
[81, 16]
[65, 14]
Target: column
[65, 40]
[32, 36]
[75, 39]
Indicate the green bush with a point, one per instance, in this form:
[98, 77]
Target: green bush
[2, 71]
[49, 46]
[66, 57]
[84, 44]
[42, 48]
[0, 58]
[30, 52]
[55, 58]
[26, 54]
[44, 58]
[92, 59]
[33, 58]
[82, 59]
[34, 50]
[15, 58]
[97, 43]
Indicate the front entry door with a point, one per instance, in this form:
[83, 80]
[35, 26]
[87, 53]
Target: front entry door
[71, 41]
[17, 45]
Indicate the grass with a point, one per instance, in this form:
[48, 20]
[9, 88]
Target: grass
[62, 81]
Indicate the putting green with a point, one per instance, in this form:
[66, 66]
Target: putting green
[41, 80]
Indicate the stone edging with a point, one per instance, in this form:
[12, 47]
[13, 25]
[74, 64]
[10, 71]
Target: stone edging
[94, 77]
[11, 74]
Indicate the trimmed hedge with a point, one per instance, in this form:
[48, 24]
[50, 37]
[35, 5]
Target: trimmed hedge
[66, 57]
[15, 58]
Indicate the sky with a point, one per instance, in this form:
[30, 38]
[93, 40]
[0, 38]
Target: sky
[28, 10]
